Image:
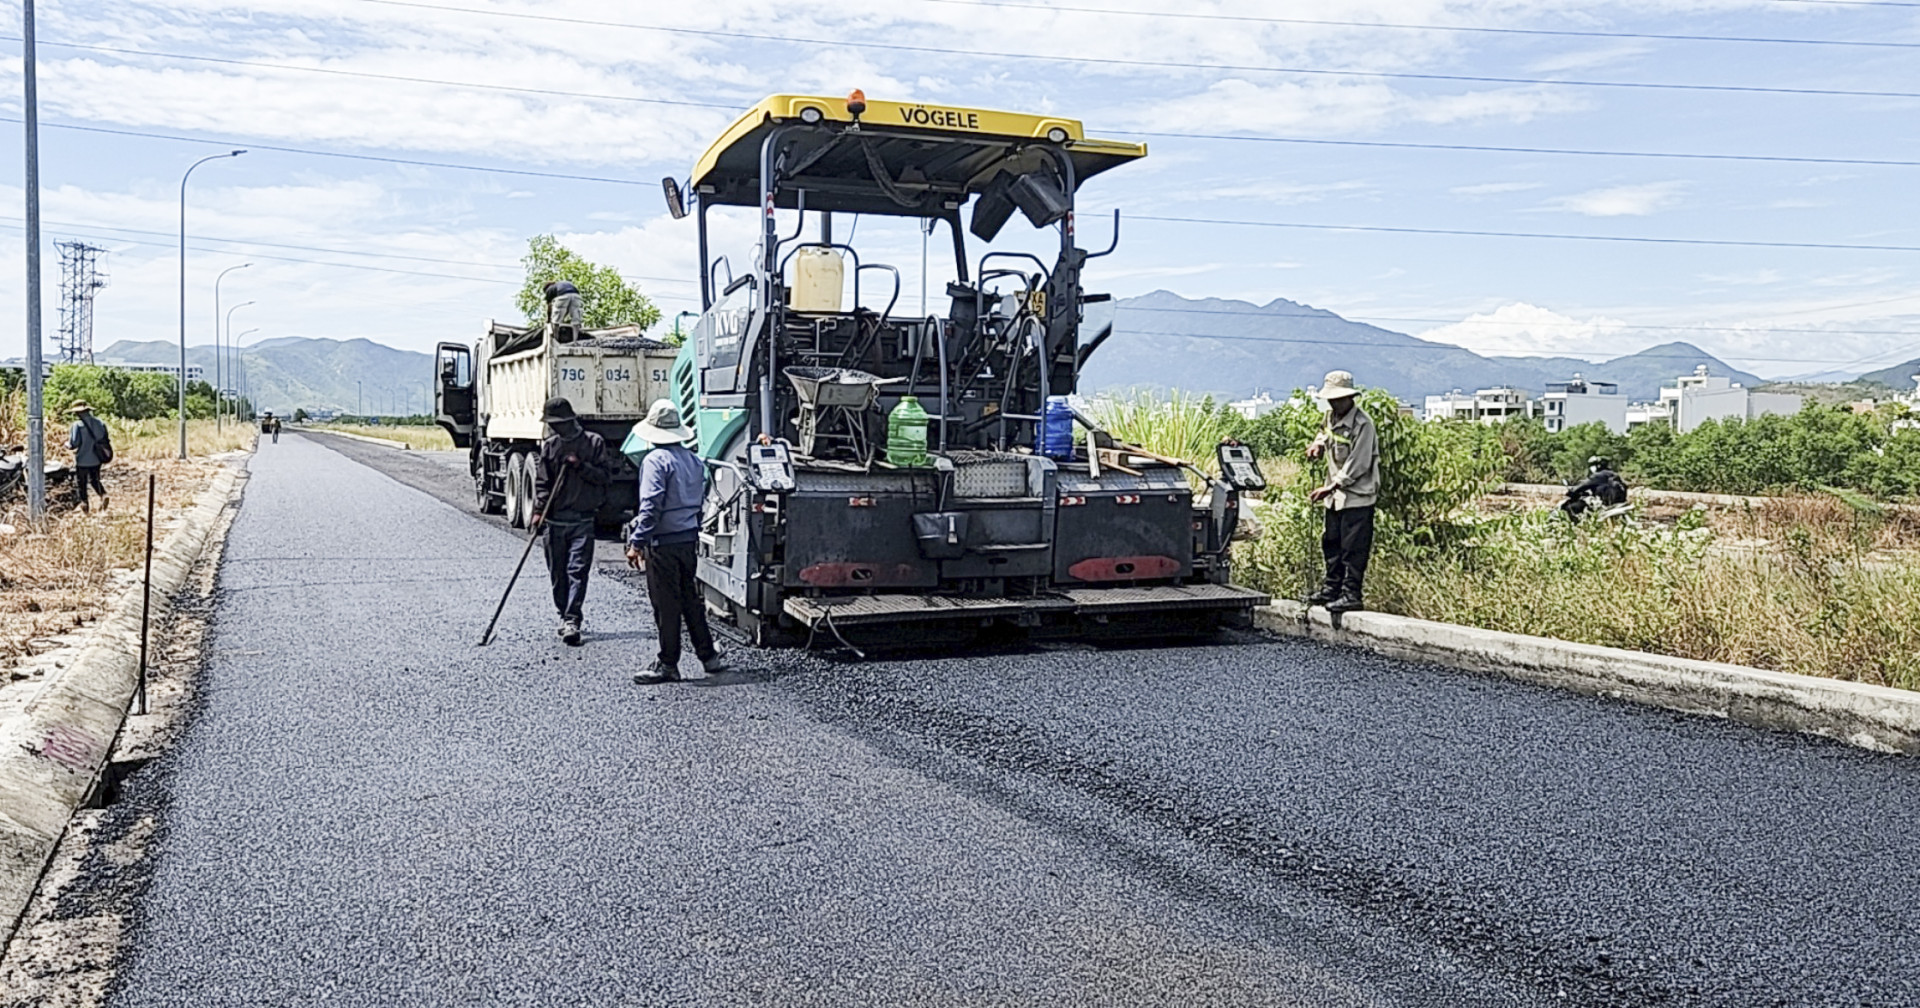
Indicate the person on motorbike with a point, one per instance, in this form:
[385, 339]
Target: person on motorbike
[1602, 485]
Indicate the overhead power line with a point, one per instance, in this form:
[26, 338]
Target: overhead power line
[1226, 137]
[1152, 64]
[311, 152]
[1473, 29]
[1432, 345]
[1530, 234]
[368, 75]
[1581, 152]
[360, 253]
[1516, 323]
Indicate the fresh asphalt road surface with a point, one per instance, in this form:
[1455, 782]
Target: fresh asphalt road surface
[367, 809]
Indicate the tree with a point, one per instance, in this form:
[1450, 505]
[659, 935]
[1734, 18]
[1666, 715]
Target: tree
[607, 299]
[299, 414]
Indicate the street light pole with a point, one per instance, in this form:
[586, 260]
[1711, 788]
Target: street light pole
[219, 354]
[36, 411]
[216, 392]
[183, 290]
[246, 377]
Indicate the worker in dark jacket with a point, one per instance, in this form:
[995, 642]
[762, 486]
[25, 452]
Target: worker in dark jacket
[92, 447]
[565, 310]
[575, 459]
[673, 482]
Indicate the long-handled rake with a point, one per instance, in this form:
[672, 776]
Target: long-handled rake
[533, 536]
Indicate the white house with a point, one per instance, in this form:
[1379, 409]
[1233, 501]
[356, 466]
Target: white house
[1498, 405]
[194, 371]
[1696, 398]
[1254, 408]
[1455, 405]
[1578, 401]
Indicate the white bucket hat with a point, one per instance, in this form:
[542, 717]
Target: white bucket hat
[662, 425]
[1337, 385]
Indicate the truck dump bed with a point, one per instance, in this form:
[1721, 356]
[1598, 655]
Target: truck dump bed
[611, 376]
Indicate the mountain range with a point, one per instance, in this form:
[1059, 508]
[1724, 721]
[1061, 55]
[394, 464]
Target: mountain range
[1235, 348]
[352, 376]
[1161, 340]
[1899, 376]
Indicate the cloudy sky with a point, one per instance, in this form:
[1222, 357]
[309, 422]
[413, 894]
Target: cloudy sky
[401, 153]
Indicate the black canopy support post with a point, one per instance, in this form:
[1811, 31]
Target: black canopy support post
[146, 603]
[706, 265]
[959, 244]
[769, 272]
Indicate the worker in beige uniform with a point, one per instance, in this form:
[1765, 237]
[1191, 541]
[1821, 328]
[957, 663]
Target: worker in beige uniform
[1353, 485]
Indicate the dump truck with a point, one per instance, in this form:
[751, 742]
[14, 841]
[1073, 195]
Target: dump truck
[802, 377]
[490, 398]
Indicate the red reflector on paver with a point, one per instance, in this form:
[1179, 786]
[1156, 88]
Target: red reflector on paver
[1130, 568]
[855, 574]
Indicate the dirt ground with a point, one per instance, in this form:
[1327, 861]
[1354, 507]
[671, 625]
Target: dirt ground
[58, 575]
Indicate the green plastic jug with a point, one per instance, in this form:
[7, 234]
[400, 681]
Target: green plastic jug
[907, 434]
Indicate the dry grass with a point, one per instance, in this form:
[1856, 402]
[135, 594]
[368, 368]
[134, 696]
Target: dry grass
[419, 438]
[1813, 585]
[58, 573]
[153, 440]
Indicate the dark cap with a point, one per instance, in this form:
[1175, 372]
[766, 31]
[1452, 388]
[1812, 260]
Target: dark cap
[558, 409]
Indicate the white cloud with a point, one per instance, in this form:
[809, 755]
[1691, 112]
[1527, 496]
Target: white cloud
[1622, 201]
[1494, 188]
[1335, 107]
[1279, 193]
[1586, 59]
[1528, 330]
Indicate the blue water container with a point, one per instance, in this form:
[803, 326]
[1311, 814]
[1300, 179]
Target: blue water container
[1056, 429]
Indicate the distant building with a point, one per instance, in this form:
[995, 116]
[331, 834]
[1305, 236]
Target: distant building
[1578, 401]
[1639, 414]
[1254, 408]
[194, 371]
[1696, 398]
[1489, 406]
[20, 364]
[1454, 405]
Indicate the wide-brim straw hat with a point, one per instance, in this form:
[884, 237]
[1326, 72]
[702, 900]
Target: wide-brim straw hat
[663, 425]
[79, 406]
[1338, 385]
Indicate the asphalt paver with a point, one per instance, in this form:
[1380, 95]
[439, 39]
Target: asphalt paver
[367, 808]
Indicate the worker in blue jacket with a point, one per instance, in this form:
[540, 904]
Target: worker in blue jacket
[661, 540]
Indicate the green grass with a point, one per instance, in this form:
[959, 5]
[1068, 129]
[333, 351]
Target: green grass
[417, 437]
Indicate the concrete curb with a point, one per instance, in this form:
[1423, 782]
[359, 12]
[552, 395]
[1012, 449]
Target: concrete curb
[402, 445]
[1872, 717]
[54, 749]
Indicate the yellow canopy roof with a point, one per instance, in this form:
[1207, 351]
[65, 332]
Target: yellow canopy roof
[933, 155]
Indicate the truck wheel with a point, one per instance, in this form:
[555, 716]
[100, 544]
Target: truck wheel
[487, 502]
[516, 504]
[527, 467]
